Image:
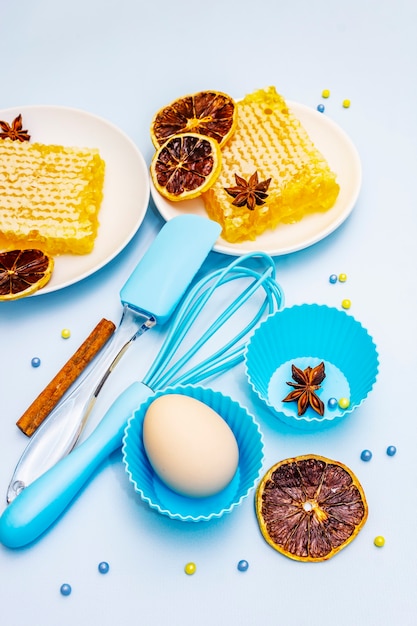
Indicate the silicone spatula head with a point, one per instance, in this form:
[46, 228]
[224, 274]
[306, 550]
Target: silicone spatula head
[169, 265]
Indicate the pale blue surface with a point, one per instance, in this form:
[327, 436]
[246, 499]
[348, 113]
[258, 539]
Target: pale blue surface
[123, 60]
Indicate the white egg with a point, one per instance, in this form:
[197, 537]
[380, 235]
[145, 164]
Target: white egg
[190, 446]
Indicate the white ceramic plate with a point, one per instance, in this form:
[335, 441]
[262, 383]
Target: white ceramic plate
[126, 184]
[342, 157]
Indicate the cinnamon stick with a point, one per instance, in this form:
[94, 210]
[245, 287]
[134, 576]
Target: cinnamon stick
[53, 392]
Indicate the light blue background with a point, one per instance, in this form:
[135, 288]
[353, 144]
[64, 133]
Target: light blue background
[123, 60]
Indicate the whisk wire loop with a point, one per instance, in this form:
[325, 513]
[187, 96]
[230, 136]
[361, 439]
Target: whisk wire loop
[215, 358]
[190, 310]
[230, 353]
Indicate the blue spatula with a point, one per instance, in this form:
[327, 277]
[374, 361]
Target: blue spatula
[149, 297]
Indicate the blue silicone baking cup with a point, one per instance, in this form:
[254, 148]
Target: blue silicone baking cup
[306, 335]
[159, 496]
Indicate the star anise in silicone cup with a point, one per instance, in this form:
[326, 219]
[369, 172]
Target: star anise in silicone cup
[14, 130]
[251, 193]
[307, 382]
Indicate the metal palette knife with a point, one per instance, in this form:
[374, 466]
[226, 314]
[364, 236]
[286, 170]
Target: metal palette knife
[149, 297]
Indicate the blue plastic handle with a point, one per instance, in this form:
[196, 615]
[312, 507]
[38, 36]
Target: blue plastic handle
[38, 506]
[169, 265]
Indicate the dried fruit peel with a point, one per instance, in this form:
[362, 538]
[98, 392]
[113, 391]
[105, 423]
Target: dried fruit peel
[50, 196]
[210, 113]
[270, 140]
[310, 507]
[23, 272]
[185, 166]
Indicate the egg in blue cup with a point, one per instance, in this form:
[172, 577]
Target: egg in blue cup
[152, 486]
[321, 343]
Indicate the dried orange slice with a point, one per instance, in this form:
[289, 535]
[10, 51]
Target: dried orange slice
[210, 113]
[186, 166]
[22, 272]
[310, 507]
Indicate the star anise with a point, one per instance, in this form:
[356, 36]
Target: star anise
[14, 130]
[306, 384]
[250, 192]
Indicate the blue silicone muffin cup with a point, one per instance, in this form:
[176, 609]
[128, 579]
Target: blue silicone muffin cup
[160, 497]
[305, 335]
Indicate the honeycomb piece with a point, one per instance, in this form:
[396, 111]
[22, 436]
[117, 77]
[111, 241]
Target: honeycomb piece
[50, 196]
[271, 141]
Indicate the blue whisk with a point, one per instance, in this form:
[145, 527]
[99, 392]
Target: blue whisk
[43, 501]
[231, 352]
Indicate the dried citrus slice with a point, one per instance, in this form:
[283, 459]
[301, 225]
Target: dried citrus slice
[210, 113]
[22, 272]
[186, 166]
[310, 507]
